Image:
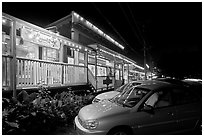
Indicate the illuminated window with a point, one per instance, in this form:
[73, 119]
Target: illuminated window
[70, 53]
[6, 36]
[27, 50]
[50, 54]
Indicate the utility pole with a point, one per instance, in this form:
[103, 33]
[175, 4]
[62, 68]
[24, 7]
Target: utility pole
[145, 70]
[144, 46]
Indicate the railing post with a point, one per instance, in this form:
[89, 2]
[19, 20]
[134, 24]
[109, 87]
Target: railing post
[96, 71]
[13, 61]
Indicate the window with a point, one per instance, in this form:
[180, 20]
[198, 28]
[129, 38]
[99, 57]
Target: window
[91, 59]
[101, 71]
[164, 99]
[70, 53]
[159, 99]
[92, 69]
[6, 50]
[51, 54]
[117, 74]
[26, 49]
[81, 56]
[130, 97]
[110, 71]
[6, 36]
[184, 96]
[81, 59]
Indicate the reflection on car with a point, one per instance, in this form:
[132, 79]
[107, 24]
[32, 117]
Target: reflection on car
[175, 109]
[111, 94]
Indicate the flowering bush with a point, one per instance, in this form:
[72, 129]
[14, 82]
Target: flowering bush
[40, 113]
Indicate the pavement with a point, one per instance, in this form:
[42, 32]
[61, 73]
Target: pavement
[68, 130]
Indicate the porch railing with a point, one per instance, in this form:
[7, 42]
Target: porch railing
[6, 62]
[30, 72]
[91, 79]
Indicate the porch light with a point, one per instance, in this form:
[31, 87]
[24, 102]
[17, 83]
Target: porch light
[76, 15]
[90, 25]
[3, 21]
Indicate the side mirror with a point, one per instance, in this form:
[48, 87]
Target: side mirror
[148, 109]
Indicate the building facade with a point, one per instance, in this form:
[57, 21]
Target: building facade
[66, 53]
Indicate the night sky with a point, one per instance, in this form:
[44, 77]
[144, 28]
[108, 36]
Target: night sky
[172, 31]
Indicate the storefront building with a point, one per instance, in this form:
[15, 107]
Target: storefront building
[33, 55]
[106, 61]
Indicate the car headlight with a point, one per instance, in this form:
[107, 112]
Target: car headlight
[90, 124]
[95, 100]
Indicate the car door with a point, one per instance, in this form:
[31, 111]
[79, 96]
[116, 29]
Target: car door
[162, 119]
[188, 106]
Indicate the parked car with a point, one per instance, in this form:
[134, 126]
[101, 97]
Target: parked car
[154, 107]
[111, 94]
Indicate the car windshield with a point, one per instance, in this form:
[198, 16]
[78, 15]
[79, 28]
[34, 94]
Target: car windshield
[126, 87]
[130, 97]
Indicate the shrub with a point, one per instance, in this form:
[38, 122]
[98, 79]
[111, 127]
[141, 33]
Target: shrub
[37, 113]
[40, 113]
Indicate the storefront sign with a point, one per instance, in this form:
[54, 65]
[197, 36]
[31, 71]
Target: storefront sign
[40, 38]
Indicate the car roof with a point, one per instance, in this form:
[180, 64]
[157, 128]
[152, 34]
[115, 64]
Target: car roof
[154, 84]
[172, 81]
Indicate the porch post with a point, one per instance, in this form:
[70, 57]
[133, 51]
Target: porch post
[13, 61]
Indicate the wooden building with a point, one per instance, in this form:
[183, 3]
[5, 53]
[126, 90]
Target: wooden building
[70, 51]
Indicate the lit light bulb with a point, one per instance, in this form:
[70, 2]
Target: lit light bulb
[4, 21]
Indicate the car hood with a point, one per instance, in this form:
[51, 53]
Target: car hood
[107, 95]
[101, 109]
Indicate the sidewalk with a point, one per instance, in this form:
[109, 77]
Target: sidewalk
[69, 130]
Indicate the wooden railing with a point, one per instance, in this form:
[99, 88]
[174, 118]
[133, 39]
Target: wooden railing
[32, 72]
[74, 74]
[6, 79]
[91, 79]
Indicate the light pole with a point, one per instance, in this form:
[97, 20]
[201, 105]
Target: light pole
[145, 71]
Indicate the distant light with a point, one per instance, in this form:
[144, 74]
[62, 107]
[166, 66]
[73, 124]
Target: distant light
[76, 15]
[89, 24]
[192, 79]
[81, 18]
[147, 65]
[4, 43]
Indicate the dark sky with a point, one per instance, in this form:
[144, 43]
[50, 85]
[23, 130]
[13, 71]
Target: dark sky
[172, 31]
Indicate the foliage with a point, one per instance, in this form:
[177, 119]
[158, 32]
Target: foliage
[40, 113]
[72, 103]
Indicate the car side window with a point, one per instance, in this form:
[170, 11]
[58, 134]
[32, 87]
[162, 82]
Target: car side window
[159, 99]
[183, 96]
[164, 99]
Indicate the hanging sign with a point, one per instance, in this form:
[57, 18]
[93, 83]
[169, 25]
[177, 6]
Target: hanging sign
[40, 38]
